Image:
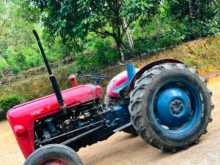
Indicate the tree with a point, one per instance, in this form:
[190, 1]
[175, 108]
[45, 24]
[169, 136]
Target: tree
[15, 37]
[197, 16]
[74, 19]
[193, 9]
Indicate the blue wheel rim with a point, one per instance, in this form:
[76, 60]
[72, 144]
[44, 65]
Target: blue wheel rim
[177, 109]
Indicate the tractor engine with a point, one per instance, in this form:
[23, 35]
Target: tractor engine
[60, 128]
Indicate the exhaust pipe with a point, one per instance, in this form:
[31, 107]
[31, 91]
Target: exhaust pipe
[52, 78]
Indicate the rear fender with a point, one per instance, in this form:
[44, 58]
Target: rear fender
[147, 67]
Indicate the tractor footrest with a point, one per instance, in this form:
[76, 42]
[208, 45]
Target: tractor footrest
[122, 127]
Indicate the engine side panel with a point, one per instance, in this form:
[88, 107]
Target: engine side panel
[84, 125]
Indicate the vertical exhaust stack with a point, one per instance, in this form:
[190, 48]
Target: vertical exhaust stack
[52, 78]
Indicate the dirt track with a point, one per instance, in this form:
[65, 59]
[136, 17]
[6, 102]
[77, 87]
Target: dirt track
[122, 149]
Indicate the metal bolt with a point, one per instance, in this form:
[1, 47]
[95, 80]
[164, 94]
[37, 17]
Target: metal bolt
[176, 106]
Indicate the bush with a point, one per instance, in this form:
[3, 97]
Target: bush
[8, 102]
[100, 53]
[155, 43]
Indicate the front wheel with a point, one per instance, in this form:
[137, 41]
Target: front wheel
[53, 154]
[170, 107]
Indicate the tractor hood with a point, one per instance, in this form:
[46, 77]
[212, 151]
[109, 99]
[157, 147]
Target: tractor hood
[23, 116]
[48, 104]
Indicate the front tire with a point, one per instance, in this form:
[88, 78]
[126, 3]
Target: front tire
[170, 107]
[56, 154]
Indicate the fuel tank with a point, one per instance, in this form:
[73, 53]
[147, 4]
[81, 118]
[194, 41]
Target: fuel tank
[120, 81]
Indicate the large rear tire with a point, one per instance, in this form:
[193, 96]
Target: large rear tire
[170, 107]
[55, 154]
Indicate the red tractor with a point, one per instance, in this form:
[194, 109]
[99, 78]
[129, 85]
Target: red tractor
[165, 103]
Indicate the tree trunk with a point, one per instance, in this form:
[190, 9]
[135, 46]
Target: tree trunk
[128, 35]
[118, 40]
[191, 9]
[119, 48]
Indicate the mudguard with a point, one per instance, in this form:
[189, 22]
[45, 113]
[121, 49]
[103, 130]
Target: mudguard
[147, 67]
[126, 79]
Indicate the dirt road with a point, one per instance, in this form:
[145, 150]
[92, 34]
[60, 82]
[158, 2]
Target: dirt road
[122, 149]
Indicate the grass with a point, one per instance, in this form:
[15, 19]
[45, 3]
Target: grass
[202, 54]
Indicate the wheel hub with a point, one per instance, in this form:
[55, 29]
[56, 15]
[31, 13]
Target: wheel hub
[176, 106]
[173, 107]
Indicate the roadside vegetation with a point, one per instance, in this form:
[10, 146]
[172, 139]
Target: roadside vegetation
[92, 36]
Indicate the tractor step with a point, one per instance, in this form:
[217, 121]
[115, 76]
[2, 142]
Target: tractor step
[122, 127]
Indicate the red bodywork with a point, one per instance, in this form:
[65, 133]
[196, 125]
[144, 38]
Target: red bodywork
[22, 117]
[117, 81]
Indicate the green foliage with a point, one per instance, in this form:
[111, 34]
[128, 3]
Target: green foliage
[100, 54]
[3, 64]
[193, 9]
[154, 44]
[91, 31]
[18, 49]
[198, 16]
[74, 19]
[8, 102]
[15, 38]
